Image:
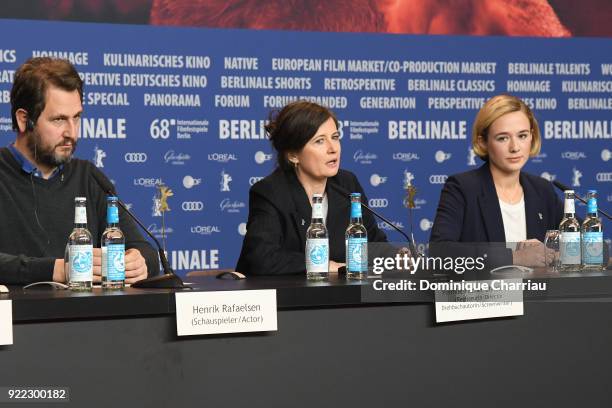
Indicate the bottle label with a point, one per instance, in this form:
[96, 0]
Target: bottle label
[81, 263]
[317, 255]
[592, 206]
[357, 255]
[568, 207]
[113, 262]
[80, 215]
[317, 210]
[112, 215]
[569, 248]
[592, 248]
[355, 209]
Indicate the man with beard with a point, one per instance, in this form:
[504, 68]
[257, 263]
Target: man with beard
[39, 180]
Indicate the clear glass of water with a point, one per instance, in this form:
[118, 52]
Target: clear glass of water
[551, 246]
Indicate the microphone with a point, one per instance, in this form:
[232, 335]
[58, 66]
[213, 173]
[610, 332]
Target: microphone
[169, 280]
[346, 194]
[563, 187]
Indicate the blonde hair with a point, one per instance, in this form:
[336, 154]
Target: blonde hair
[495, 108]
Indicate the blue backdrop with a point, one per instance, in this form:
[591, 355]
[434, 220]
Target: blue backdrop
[185, 107]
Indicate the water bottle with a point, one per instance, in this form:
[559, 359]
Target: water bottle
[113, 249]
[80, 249]
[591, 234]
[356, 242]
[317, 242]
[569, 243]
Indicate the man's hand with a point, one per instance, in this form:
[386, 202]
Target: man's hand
[97, 265]
[135, 266]
[59, 273]
[529, 253]
[333, 266]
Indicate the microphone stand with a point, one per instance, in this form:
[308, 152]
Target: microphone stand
[169, 280]
[563, 187]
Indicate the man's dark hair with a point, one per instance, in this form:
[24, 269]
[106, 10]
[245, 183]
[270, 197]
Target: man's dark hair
[294, 126]
[34, 77]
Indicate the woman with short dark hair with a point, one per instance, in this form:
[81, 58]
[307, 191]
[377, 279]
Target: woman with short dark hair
[307, 143]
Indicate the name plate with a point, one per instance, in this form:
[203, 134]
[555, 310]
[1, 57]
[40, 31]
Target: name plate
[235, 311]
[6, 322]
[485, 299]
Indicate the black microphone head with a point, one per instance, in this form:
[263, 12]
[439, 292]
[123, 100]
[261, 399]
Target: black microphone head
[102, 181]
[560, 185]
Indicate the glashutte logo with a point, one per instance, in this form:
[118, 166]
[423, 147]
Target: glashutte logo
[176, 158]
[231, 206]
[364, 158]
[157, 231]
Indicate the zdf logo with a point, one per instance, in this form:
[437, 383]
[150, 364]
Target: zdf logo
[378, 202]
[425, 224]
[192, 206]
[376, 180]
[438, 178]
[135, 157]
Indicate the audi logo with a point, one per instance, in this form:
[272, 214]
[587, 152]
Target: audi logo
[378, 202]
[192, 206]
[438, 178]
[603, 177]
[135, 157]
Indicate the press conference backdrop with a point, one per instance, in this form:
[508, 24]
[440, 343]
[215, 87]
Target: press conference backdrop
[185, 107]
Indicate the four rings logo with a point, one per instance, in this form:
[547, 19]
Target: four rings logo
[438, 178]
[135, 157]
[192, 206]
[378, 202]
[603, 177]
[573, 155]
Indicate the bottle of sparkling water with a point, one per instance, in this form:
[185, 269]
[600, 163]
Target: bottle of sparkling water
[80, 249]
[569, 243]
[591, 233]
[113, 249]
[356, 242]
[317, 242]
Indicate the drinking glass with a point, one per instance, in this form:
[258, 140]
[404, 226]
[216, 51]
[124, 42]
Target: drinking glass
[551, 246]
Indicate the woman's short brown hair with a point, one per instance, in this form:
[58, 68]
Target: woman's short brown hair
[492, 110]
